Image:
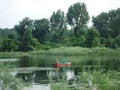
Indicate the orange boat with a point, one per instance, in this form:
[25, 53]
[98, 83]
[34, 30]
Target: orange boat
[59, 65]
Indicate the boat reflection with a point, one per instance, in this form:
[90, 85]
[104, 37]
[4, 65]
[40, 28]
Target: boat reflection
[44, 76]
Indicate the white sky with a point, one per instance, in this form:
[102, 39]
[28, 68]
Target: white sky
[13, 11]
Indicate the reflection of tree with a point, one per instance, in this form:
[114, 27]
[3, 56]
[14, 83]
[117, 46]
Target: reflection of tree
[34, 61]
[41, 76]
[27, 77]
[113, 64]
[35, 77]
[28, 61]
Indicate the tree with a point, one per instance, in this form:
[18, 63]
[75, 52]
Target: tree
[110, 43]
[1, 44]
[92, 38]
[58, 25]
[58, 20]
[41, 30]
[108, 23]
[8, 40]
[28, 42]
[117, 41]
[5, 32]
[77, 16]
[101, 22]
[9, 45]
[22, 26]
[114, 19]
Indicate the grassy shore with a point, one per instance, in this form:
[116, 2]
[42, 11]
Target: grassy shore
[13, 54]
[91, 80]
[64, 51]
[80, 51]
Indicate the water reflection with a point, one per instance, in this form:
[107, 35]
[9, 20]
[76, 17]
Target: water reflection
[43, 76]
[34, 61]
[70, 74]
[79, 63]
[110, 62]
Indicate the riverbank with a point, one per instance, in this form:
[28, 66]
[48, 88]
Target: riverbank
[77, 51]
[90, 80]
[64, 51]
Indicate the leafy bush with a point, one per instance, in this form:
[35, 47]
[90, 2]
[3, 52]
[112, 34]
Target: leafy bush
[8, 80]
[92, 38]
[99, 79]
[117, 41]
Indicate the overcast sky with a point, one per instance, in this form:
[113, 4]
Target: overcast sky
[13, 11]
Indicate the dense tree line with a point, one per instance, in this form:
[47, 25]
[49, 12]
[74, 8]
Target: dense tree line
[108, 25]
[54, 32]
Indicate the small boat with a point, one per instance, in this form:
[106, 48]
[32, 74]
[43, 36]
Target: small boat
[59, 65]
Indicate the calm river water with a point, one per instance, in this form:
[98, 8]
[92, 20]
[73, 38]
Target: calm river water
[37, 69]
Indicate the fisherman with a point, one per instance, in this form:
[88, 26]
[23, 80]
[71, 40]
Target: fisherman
[58, 62]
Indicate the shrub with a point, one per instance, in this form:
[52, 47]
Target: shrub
[102, 81]
[8, 80]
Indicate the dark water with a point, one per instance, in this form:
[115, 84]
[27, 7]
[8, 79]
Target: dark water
[109, 62]
[78, 63]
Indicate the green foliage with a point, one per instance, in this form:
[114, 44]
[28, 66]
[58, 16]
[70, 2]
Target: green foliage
[1, 44]
[117, 41]
[102, 25]
[108, 23]
[99, 80]
[76, 51]
[4, 32]
[103, 41]
[92, 38]
[41, 30]
[77, 16]
[79, 41]
[114, 19]
[45, 47]
[35, 43]
[22, 26]
[28, 42]
[8, 40]
[58, 25]
[9, 45]
[49, 45]
[110, 43]
[28, 34]
[91, 80]
[58, 20]
[66, 41]
[9, 82]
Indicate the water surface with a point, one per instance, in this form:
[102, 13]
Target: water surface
[37, 69]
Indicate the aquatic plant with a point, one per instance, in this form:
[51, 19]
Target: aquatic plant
[99, 80]
[7, 79]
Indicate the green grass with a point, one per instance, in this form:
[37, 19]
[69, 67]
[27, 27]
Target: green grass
[99, 80]
[76, 51]
[13, 54]
[64, 51]
[91, 80]
[9, 81]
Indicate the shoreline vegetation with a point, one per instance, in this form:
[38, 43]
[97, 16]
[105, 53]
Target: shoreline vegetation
[64, 29]
[91, 80]
[87, 80]
[64, 51]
